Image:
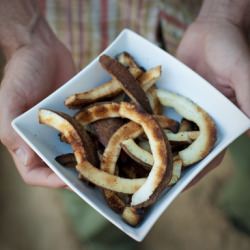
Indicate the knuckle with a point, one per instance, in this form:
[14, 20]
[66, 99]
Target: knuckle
[8, 141]
[4, 138]
[26, 179]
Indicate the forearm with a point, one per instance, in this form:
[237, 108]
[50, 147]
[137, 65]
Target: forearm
[235, 11]
[19, 21]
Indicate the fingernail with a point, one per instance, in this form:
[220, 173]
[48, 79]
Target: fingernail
[21, 155]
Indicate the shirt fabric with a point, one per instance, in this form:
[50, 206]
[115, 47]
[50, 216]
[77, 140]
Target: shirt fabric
[87, 27]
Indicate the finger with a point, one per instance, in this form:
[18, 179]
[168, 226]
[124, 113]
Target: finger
[68, 188]
[12, 103]
[34, 171]
[241, 83]
[212, 165]
[29, 165]
[226, 90]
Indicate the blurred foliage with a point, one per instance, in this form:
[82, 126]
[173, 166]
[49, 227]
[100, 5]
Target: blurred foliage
[235, 198]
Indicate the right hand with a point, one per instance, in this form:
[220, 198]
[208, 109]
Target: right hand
[32, 72]
[218, 49]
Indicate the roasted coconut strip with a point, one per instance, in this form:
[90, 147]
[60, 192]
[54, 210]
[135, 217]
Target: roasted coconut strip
[97, 112]
[114, 201]
[177, 167]
[90, 114]
[106, 90]
[144, 157]
[110, 156]
[130, 130]
[149, 78]
[138, 153]
[127, 132]
[112, 89]
[108, 164]
[162, 169]
[154, 100]
[109, 160]
[128, 82]
[188, 136]
[84, 146]
[149, 86]
[160, 172]
[131, 169]
[128, 61]
[69, 161]
[102, 110]
[186, 125]
[66, 160]
[66, 126]
[191, 111]
[131, 215]
[104, 129]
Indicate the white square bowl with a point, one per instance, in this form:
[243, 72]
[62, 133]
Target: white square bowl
[176, 77]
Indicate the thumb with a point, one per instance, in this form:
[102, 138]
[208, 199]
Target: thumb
[12, 104]
[31, 168]
[241, 86]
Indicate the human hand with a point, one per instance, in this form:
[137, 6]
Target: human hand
[32, 72]
[215, 46]
[217, 49]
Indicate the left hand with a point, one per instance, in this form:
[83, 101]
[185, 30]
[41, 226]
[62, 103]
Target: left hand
[217, 49]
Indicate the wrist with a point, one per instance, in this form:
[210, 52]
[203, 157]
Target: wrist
[233, 11]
